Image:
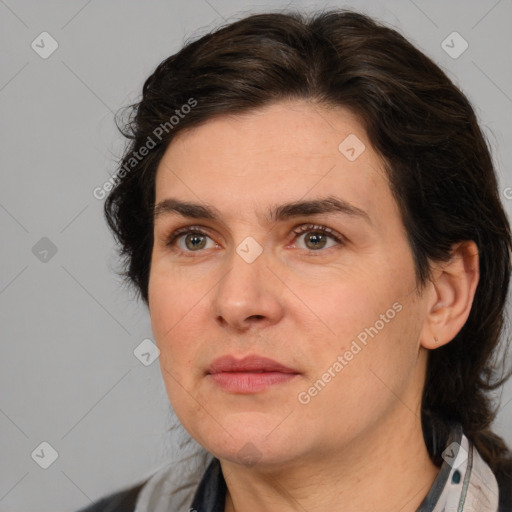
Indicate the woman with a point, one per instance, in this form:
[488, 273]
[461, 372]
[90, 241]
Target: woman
[309, 209]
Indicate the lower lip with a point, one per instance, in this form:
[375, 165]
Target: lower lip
[240, 382]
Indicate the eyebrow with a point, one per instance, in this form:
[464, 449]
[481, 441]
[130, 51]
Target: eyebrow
[282, 212]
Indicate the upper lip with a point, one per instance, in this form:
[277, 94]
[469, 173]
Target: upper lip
[252, 363]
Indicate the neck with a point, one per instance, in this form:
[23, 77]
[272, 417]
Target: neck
[385, 469]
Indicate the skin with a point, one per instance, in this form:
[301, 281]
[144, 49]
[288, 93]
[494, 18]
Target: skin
[301, 302]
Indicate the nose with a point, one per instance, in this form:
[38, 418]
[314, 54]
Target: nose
[248, 295]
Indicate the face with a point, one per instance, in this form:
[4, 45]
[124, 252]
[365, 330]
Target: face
[295, 252]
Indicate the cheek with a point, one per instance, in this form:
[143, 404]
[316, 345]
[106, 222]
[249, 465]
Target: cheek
[373, 364]
[171, 312]
[172, 322]
[172, 298]
[358, 306]
[371, 325]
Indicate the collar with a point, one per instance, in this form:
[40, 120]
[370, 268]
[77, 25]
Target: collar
[465, 483]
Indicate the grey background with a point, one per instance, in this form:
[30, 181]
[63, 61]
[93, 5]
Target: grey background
[68, 375]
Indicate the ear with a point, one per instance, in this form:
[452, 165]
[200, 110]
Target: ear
[451, 295]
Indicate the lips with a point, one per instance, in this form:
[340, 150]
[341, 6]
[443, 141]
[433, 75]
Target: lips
[252, 374]
[256, 364]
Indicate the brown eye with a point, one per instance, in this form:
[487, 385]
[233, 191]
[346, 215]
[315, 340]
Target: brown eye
[316, 237]
[315, 240]
[194, 241]
[189, 240]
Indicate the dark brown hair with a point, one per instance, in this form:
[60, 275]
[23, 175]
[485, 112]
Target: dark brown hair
[438, 163]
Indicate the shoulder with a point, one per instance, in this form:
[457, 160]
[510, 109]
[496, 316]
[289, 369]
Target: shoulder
[169, 488]
[121, 501]
[504, 478]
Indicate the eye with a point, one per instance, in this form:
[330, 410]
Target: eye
[316, 237]
[189, 240]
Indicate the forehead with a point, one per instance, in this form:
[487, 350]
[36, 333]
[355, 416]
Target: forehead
[284, 152]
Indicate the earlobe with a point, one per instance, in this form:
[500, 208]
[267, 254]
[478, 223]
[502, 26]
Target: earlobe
[453, 288]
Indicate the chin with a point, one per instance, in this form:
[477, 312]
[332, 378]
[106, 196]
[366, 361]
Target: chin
[251, 439]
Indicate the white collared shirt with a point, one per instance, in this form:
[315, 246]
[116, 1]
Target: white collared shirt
[465, 483]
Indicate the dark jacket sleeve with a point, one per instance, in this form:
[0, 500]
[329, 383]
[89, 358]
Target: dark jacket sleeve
[120, 501]
[504, 479]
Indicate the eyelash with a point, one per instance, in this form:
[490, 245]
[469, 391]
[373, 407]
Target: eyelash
[313, 228]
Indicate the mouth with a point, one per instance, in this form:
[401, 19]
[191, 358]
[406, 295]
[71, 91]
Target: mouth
[252, 374]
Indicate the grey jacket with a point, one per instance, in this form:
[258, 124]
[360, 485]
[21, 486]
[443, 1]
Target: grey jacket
[465, 483]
